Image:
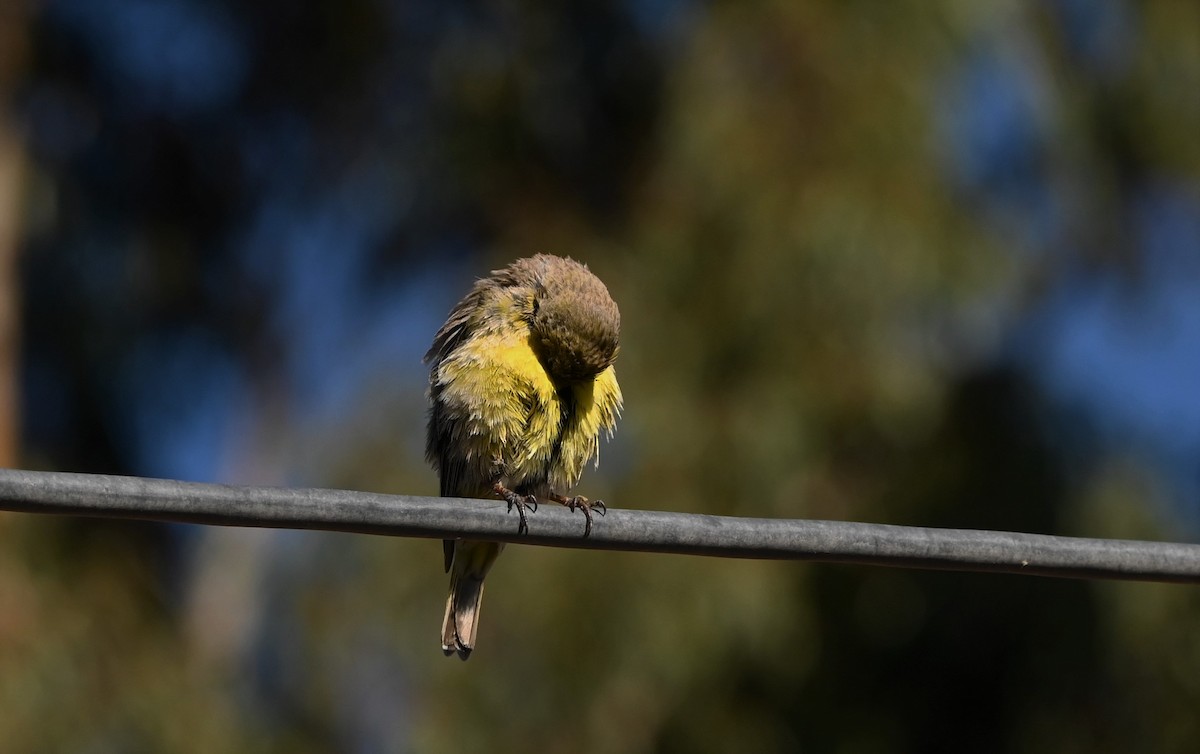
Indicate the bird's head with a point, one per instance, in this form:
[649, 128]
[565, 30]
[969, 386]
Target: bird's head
[574, 322]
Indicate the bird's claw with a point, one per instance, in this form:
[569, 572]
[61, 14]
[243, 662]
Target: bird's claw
[582, 503]
[520, 502]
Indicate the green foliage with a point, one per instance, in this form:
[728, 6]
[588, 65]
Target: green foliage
[810, 310]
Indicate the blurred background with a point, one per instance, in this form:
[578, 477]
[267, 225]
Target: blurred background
[930, 263]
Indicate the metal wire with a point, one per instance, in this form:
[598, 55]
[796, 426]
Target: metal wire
[620, 529]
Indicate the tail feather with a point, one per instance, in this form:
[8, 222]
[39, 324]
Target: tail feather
[461, 622]
[472, 561]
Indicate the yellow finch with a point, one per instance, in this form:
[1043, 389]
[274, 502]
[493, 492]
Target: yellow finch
[522, 385]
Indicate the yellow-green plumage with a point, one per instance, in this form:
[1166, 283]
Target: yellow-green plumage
[522, 386]
[511, 416]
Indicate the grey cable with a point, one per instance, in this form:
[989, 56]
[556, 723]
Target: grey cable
[621, 529]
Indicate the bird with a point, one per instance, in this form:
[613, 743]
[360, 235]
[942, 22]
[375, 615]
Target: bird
[521, 387]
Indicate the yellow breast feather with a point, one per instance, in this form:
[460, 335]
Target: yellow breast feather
[597, 404]
[513, 416]
[509, 411]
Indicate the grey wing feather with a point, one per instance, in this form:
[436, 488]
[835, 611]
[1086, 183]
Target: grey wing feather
[459, 325]
[440, 439]
[456, 328]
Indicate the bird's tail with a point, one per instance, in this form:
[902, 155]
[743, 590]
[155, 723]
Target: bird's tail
[471, 563]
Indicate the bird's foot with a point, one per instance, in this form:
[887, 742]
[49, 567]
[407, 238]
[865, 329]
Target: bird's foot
[518, 501]
[582, 503]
